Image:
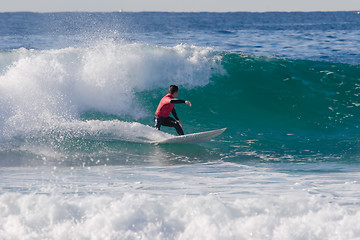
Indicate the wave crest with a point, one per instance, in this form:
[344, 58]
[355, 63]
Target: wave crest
[40, 89]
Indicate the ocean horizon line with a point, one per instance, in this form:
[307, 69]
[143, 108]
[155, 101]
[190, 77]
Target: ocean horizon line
[220, 12]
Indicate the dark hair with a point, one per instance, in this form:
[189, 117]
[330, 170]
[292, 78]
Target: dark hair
[173, 89]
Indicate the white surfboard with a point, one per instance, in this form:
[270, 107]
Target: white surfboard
[191, 138]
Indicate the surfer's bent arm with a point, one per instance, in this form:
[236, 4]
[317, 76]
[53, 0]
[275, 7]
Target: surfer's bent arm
[174, 114]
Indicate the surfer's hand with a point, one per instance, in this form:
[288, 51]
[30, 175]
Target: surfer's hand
[179, 123]
[188, 103]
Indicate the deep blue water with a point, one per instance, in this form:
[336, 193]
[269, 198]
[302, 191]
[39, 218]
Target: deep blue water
[328, 36]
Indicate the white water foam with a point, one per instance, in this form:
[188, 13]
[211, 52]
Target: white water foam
[134, 216]
[113, 130]
[48, 88]
[210, 201]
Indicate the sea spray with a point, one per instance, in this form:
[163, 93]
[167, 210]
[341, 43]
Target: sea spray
[42, 89]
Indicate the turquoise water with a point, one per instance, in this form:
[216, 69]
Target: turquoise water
[78, 93]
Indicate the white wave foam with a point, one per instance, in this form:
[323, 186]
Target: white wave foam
[112, 130]
[43, 89]
[142, 216]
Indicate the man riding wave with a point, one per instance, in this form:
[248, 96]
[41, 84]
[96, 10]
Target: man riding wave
[167, 106]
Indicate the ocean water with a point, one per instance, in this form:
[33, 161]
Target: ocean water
[77, 96]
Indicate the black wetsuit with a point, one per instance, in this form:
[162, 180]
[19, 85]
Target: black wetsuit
[169, 121]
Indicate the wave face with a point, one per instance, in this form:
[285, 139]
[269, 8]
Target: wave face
[72, 98]
[290, 107]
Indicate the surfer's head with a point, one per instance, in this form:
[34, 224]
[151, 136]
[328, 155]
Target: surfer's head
[174, 90]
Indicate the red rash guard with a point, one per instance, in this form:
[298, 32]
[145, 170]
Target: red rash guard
[165, 107]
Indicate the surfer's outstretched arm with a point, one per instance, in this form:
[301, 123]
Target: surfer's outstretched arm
[176, 101]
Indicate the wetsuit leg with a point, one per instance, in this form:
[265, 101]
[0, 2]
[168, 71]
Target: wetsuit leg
[158, 122]
[178, 128]
[169, 122]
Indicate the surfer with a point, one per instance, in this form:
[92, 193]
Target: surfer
[167, 106]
